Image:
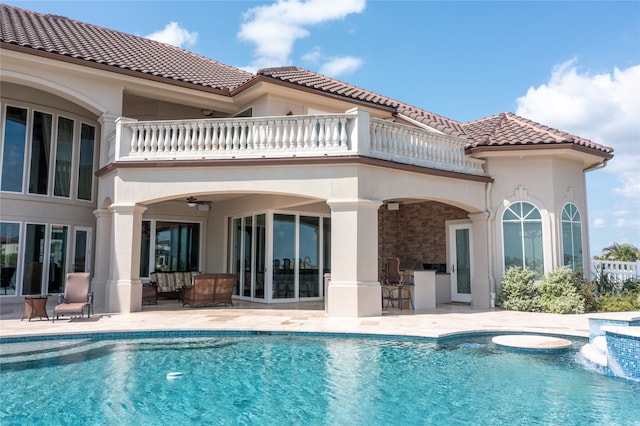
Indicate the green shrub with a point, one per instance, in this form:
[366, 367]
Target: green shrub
[559, 292]
[518, 291]
[626, 302]
[588, 294]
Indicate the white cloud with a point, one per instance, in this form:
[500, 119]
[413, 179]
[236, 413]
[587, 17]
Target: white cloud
[274, 28]
[313, 56]
[602, 107]
[605, 108]
[175, 35]
[341, 65]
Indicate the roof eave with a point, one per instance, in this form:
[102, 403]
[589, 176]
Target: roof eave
[111, 68]
[538, 147]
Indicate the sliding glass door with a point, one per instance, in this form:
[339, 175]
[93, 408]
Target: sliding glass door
[297, 252]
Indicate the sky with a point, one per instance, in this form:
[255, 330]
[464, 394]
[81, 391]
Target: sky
[571, 65]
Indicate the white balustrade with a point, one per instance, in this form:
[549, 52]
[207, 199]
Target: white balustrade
[617, 271]
[238, 137]
[405, 144]
[292, 136]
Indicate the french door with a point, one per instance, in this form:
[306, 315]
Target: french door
[82, 250]
[460, 256]
[278, 257]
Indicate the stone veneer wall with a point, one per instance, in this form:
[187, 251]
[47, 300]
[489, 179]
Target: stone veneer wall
[416, 232]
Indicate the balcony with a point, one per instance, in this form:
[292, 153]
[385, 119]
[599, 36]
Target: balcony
[329, 135]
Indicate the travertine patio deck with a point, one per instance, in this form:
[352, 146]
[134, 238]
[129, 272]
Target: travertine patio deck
[303, 317]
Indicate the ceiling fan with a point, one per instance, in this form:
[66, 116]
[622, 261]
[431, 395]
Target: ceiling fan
[193, 202]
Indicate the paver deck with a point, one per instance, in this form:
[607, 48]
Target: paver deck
[304, 317]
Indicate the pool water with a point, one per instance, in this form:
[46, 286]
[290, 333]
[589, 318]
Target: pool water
[303, 379]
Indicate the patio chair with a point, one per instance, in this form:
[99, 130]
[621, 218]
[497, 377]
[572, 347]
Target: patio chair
[393, 270]
[6, 277]
[76, 296]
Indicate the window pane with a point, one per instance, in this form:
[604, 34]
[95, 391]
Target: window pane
[577, 246]
[571, 237]
[261, 254]
[513, 255]
[246, 261]
[40, 152]
[9, 245]
[57, 258]
[13, 149]
[533, 247]
[85, 167]
[145, 248]
[33, 259]
[326, 242]
[64, 151]
[177, 246]
[309, 273]
[284, 251]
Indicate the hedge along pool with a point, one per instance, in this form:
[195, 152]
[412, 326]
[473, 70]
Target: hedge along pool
[312, 379]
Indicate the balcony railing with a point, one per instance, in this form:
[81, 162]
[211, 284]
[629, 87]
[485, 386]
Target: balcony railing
[353, 133]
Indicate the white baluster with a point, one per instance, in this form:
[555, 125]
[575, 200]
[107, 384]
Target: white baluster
[307, 133]
[215, 141]
[135, 133]
[147, 138]
[343, 133]
[294, 136]
[207, 137]
[270, 144]
[201, 136]
[278, 134]
[235, 131]
[317, 135]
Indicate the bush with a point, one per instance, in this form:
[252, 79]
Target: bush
[588, 294]
[559, 292]
[518, 291]
[611, 303]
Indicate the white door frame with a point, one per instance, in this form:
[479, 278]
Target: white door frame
[88, 253]
[453, 261]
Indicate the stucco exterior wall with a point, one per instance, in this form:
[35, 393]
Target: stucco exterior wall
[548, 182]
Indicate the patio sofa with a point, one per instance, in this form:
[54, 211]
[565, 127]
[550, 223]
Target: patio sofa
[170, 284]
[209, 290]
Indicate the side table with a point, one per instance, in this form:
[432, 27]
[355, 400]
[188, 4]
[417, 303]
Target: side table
[150, 294]
[35, 306]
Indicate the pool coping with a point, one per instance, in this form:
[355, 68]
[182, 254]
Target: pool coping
[177, 333]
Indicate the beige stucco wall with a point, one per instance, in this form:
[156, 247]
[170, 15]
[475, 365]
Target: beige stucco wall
[548, 182]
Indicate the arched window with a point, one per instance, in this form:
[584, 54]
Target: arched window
[522, 237]
[571, 237]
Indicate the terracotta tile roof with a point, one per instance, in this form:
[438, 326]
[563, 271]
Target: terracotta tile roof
[301, 77]
[67, 37]
[509, 129]
[56, 35]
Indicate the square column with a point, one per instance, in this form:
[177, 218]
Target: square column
[124, 286]
[354, 290]
[480, 286]
[102, 260]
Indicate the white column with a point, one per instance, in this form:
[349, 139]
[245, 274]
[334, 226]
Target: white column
[102, 259]
[124, 286]
[354, 290]
[480, 288]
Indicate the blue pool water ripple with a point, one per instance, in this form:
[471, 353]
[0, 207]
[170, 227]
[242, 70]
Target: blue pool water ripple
[310, 380]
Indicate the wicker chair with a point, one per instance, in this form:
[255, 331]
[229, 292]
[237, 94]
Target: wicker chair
[76, 296]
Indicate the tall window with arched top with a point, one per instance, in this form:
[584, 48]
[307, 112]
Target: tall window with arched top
[522, 237]
[571, 237]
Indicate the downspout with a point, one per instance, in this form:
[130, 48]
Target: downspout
[490, 245]
[596, 166]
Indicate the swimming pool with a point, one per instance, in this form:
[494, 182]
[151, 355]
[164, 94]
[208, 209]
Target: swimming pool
[256, 378]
